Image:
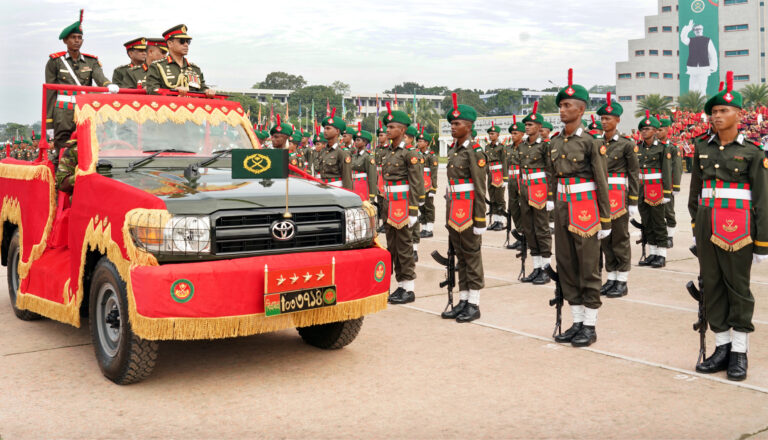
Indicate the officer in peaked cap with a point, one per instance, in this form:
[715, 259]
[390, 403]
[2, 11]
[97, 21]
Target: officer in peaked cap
[132, 74]
[174, 72]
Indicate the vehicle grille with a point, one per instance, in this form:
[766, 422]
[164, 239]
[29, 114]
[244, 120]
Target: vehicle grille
[241, 232]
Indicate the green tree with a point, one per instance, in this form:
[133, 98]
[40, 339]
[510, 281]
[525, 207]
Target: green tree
[693, 101]
[281, 81]
[468, 97]
[419, 89]
[317, 93]
[13, 129]
[504, 102]
[655, 103]
[755, 95]
[551, 89]
[547, 104]
[340, 87]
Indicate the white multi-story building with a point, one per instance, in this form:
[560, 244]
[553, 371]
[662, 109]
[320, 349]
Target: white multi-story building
[653, 64]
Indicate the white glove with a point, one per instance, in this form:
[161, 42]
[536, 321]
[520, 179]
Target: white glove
[431, 194]
[113, 88]
[601, 234]
[757, 258]
[412, 221]
[504, 185]
[666, 200]
[633, 211]
[49, 132]
[694, 240]
[550, 206]
[422, 203]
[478, 231]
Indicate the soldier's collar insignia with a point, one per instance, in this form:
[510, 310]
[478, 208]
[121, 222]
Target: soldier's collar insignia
[740, 139]
[615, 137]
[579, 131]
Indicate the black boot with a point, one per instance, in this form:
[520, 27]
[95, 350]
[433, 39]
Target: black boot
[737, 366]
[515, 245]
[496, 226]
[658, 262]
[570, 333]
[404, 298]
[427, 234]
[607, 286]
[618, 290]
[541, 278]
[531, 276]
[396, 294]
[586, 337]
[717, 362]
[455, 310]
[647, 261]
[469, 313]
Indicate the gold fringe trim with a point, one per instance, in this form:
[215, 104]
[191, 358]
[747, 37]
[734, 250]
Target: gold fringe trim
[458, 228]
[50, 309]
[397, 225]
[730, 247]
[152, 218]
[246, 325]
[620, 213]
[537, 205]
[584, 234]
[26, 172]
[653, 203]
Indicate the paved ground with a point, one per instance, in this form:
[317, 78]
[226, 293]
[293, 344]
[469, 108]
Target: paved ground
[410, 374]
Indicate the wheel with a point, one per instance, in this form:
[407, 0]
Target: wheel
[123, 357]
[14, 255]
[332, 336]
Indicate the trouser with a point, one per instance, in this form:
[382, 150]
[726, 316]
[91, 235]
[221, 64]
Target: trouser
[514, 202]
[63, 127]
[496, 197]
[416, 234]
[688, 163]
[577, 259]
[400, 247]
[535, 227]
[653, 223]
[469, 258]
[428, 209]
[382, 208]
[616, 247]
[669, 212]
[725, 279]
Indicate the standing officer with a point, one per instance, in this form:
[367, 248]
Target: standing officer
[130, 75]
[582, 213]
[546, 129]
[534, 189]
[665, 124]
[656, 187]
[364, 166]
[404, 184]
[319, 141]
[430, 169]
[280, 133]
[382, 146]
[74, 68]
[497, 182]
[336, 163]
[465, 211]
[175, 72]
[512, 156]
[623, 190]
[728, 202]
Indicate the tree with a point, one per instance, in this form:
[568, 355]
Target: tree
[468, 97]
[341, 88]
[654, 103]
[320, 95]
[551, 89]
[412, 87]
[504, 102]
[547, 104]
[755, 95]
[281, 81]
[597, 88]
[13, 129]
[693, 101]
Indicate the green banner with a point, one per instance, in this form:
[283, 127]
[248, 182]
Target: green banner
[699, 45]
[259, 164]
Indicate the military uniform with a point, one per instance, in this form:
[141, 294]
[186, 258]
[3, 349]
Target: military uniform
[168, 74]
[131, 75]
[379, 153]
[428, 210]
[677, 174]
[416, 227]
[534, 194]
[65, 170]
[728, 202]
[335, 165]
[497, 181]
[512, 160]
[364, 170]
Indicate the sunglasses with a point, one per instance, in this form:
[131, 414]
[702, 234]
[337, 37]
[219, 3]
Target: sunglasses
[184, 40]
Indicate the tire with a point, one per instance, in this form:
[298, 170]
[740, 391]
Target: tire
[14, 255]
[123, 357]
[332, 336]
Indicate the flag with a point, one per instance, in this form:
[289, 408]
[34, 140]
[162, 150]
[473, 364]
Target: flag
[259, 120]
[327, 107]
[343, 108]
[271, 112]
[313, 111]
[287, 111]
[359, 106]
[395, 100]
[414, 104]
[301, 123]
[377, 106]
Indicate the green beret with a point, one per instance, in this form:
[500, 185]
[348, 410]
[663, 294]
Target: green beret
[398, 116]
[610, 109]
[665, 121]
[494, 129]
[533, 117]
[424, 137]
[335, 121]
[281, 128]
[474, 133]
[16, 141]
[464, 112]
[319, 138]
[74, 28]
[412, 131]
[517, 126]
[296, 138]
[648, 121]
[381, 130]
[548, 125]
[364, 134]
[350, 130]
[597, 125]
[572, 91]
[727, 96]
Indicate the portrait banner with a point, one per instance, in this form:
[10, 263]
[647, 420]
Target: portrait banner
[699, 44]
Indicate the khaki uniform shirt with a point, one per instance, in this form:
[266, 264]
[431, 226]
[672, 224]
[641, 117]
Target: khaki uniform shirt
[621, 158]
[167, 74]
[87, 70]
[402, 162]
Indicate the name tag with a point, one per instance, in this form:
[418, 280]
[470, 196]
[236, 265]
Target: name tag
[86, 69]
[704, 156]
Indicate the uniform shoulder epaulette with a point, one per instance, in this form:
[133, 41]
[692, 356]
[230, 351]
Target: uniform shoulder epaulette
[556, 134]
[124, 65]
[546, 140]
[627, 137]
[192, 64]
[57, 54]
[89, 55]
[757, 144]
[477, 147]
[597, 135]
[703, 135]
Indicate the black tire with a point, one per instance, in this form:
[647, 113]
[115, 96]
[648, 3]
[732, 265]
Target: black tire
[332, 336]
[14, 256]
[123, 357]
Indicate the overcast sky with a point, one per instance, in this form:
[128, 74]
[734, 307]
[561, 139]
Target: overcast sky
[371, 45]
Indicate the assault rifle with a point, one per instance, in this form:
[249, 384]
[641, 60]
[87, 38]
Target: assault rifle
[508, 216]
[557, 301]
[701, 323]
[643, 236]
[523, 254]
[450, 272]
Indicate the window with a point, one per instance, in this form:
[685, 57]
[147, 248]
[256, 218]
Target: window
[734, 2]
[666, 28]
[653, 52]
[639, 74]
[639, 53]
[625, 98]
[640, 97]
[737, 53]
[654, 75]
[741, 77]
[653, 29]
[667, 53]
[666, 9]
[625, 76]
[736, 27]
[668, 76]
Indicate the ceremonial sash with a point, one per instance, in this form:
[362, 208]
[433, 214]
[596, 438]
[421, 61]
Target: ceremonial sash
[427, 180]
[462, 198]
[360, 185]
[536, 182]
[653, 191]
[397, 203]
[731, 205]
[497, 178]
[581, 197]
[66, 99]
[380, 182]
[617, 187]
[333, 181]
[514, 170]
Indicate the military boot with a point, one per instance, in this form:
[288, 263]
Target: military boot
[658, 262]
[607, 286]
[395, 295]
[469, 313]
[455, 310]
[404, 298]
[570, 333]
[737, 366]
[618, 290]
[647, 261]
[515, 245]
[531, 276]
[717, 362]
[586, 337]
[541, 278]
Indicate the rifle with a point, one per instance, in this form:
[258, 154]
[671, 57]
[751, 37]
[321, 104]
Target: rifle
[643, 236]
[508, 216]
[557, 301]
[450, 272]
[523, 254]
[701, 323]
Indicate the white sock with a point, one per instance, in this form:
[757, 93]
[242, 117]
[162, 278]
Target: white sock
[671, 231]
[622, 276]
[652, 250]
[408, 285]
[429, 226]
[590, 316]
[536, 262]
[722, 338]
[552, 225]
[545, 261]
[399, 284]
[611, 276]
[415, 247]
[578, 313]
[463, 295]
[740, 342]
[662, 252]
[474, 297]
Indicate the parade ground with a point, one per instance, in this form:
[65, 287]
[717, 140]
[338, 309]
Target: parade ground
[410, 374]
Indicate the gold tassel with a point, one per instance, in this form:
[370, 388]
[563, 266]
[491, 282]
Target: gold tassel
[746, 241]
[647, 202]
[584, 234]
[462, 228]
[618, 214]
[397, 225]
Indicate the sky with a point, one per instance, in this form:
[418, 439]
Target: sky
[369, 45]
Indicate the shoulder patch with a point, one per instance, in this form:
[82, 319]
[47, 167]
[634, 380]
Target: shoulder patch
[757, 144]
[477, 147]
[414, 160]
[481, 162]
[89, 55]
[603, 150]
[669, 155]
[348, 159]
[57, 54]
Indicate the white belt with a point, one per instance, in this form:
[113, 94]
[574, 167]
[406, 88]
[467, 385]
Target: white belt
[426, 171]
[576, 188]
[617, 180]
[398, 188]
[539, 175]
[726, 193]
[66, 98]
[495, 167]
[514, 172]
[359, 175]
[378, 169]
[462, 187]
[336, 183]
[650, 176]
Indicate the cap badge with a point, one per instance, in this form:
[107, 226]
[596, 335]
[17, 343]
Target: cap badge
[533, 117]
[456, 113]
[609, 109]
[184, 29]
[728, 97]
[569, 91]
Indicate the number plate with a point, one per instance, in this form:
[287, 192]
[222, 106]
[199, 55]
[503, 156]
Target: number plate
[298, 300]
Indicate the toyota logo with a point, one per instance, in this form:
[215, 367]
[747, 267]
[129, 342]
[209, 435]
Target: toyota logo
[283, 230]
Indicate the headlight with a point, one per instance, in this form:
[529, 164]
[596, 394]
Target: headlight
[360, 225]
[177, 235]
